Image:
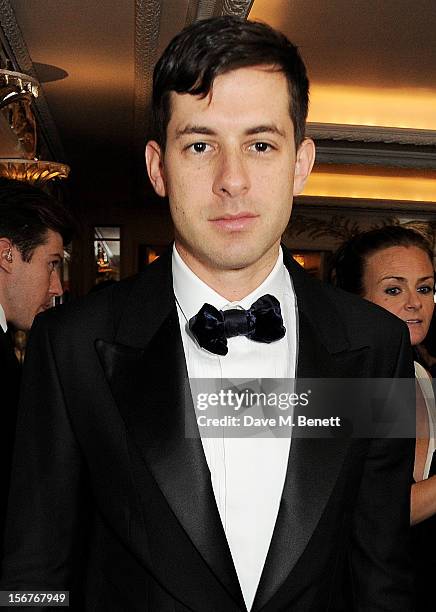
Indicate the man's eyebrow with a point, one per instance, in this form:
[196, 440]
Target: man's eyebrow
[58, 255]
[194, 129]
[206, 131]
[265, 129]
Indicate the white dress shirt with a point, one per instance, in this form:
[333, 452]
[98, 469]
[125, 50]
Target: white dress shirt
[3, 323]
[247, 474]
[425, 383]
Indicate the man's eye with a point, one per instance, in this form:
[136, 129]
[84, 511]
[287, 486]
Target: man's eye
[54, 265]
[392, 290]
[199, 147]
[261, 147]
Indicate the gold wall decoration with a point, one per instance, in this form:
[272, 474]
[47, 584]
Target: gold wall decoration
[33, 171]
[17, 92]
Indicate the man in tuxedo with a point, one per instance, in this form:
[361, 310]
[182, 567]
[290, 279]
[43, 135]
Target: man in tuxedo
[122, 507]
[33, 230]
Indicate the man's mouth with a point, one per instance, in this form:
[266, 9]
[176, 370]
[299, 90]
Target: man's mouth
[236, 222]
[413, 321]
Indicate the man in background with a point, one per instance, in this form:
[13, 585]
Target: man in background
[34, 228]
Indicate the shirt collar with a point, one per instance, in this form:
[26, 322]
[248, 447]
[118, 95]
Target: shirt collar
[191, 292]
[3, 323]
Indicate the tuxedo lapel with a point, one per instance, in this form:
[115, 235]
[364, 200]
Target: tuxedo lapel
[147, 373]
[7, 353]
[314, 464]
[10, 372]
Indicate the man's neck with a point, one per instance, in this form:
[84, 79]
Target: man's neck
[233, 285]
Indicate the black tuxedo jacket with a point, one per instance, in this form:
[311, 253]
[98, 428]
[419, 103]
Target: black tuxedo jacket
[10, 371]
[112, 501]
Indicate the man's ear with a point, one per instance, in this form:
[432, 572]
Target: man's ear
[155, 167]
[6, 255]
[303, 164]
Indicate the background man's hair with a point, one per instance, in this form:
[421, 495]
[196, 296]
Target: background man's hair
[209, 48]
[26, 213]
[349, 261]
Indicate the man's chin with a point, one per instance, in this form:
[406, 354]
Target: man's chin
[248, 254]
[235, 260]
[228, 255]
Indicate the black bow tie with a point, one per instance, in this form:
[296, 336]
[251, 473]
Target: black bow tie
[262, 322]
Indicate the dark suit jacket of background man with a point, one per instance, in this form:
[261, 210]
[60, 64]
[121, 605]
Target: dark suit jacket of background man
[103, 417]
[10, 371]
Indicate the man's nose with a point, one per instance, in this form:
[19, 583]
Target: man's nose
[231, 175]
[55, 288]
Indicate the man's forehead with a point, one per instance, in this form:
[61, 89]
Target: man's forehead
[265, 73]
[53, 243]
[241, 95]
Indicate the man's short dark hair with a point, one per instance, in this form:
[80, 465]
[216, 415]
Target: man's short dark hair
[27, 213]
[212, 47]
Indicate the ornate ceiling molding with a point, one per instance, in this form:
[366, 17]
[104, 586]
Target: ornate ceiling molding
[23, 63]
[147, 28]
[363, 133]
[239, 8]
[202, 9]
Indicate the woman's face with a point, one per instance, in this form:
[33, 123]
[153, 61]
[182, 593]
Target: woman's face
[401, 279]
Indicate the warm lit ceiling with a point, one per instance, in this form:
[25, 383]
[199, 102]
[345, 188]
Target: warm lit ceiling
[371, 62]
[372, 187]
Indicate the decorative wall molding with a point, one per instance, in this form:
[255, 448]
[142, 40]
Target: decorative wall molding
[408, 157]
[370, 205]
[23, 63]
[364, 133]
